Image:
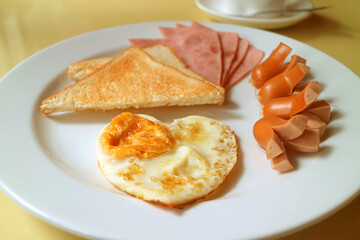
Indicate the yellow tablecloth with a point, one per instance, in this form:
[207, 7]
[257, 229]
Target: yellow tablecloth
[27, 26]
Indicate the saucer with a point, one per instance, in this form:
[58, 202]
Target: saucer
[265, 21]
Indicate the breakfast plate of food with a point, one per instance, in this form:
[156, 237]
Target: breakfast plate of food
[182, 129]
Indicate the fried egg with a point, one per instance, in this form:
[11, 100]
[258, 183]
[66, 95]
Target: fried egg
[167, 164]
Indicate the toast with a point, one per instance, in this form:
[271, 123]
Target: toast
[134, 79]
[82, 69]
[159, 52]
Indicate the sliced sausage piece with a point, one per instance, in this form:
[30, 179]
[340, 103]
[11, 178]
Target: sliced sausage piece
[307, 142]
[321, 109]
[285, 107]
[314, 122]
[270, 131]
[274, 146]
[271, 66]
[267, 138]
[281, 163]
[291, 128]
[299, 87]
[282, 85]
[295, 59]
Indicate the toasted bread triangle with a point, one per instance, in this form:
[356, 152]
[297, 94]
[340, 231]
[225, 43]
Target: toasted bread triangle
[133, 79]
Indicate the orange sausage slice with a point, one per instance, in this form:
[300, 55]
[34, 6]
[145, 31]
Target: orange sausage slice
[314, 122]
[295, 59]
[268, 139]
[282, 85]
[320, 109]
[270, 131]
[307, 142]
[285, 107]
[281, 163]
[271, 66]
[289, 129]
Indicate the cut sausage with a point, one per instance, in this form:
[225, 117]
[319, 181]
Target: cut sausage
[281, 163]
[314, 122]
[285, 107]
[290, 129]
[274, 146]
[321, 109]
[295, 59]
[282, 85]
[270, 131]
[271, 66]
[267, 138]
[307, 142]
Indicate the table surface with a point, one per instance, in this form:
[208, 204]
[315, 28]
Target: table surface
[27, 26]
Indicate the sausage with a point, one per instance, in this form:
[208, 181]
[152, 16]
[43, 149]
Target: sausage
[295, 59]
[271, 66]
[320, 109]
[281, 163]
[314, 122]
[268, 139]
[285, 107]
[292, 128]
[270, 131]
[282, 85]
[306, 142]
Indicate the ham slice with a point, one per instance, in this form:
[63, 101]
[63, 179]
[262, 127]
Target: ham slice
[240, 55]
[145, 42]
[251, 60]
[229, 42]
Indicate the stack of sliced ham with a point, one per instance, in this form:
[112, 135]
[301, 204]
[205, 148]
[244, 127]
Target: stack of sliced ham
[221, 57]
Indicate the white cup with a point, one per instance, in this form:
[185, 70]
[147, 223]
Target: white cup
[248, 7]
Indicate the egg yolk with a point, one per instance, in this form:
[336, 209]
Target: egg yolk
[131, 135]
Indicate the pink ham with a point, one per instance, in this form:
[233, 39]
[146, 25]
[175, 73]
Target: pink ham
[229, 43]
[145, 42]
[168, 32]
[199, 48]
[251, 60]
[240, 55]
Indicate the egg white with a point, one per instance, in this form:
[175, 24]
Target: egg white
[205, 151]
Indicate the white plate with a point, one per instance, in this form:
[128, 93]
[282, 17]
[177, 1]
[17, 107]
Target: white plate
[48, 164]
[211, 7]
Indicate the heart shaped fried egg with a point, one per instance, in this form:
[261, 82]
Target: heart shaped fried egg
[168, 164]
